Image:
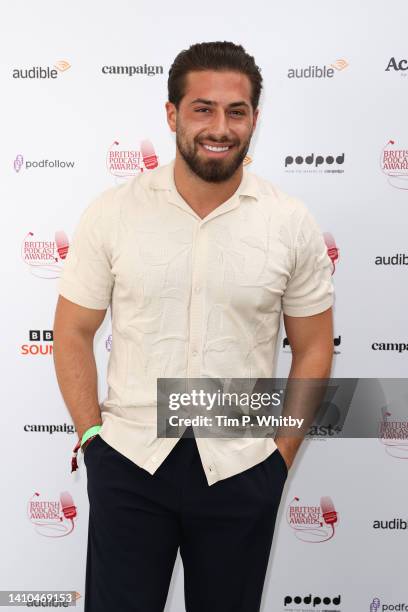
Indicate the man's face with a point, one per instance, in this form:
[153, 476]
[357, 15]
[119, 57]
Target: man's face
[214, 123]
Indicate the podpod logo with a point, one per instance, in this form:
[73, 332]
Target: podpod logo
[314, 602]
[377, 606]
[52, 518]
[315, 163]
[41, 72]
[37, 347]
[400, 66]
[312, 524]
[44, 256]
[19, 163]
[124, 162]
[394, 164]
[286, 345]
[317, 72]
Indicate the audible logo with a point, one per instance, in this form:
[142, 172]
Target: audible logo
[317, 72]
[396, 523]
[41, 72]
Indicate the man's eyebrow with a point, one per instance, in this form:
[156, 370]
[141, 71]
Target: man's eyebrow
[212, 103]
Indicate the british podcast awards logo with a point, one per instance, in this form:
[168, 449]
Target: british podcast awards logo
[124, 162]
[43, 257]
[312, 524]
[394, 164]
[52, 518]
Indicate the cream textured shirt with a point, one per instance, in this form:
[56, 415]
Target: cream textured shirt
[192, 298]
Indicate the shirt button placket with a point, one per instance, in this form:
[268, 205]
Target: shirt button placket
[196, 305]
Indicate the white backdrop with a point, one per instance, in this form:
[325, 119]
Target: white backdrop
[56, 136]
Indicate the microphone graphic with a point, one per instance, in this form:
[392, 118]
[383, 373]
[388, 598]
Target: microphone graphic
[332, 250]
[67, 505]
[148, 154]
[62, 242]
[328, 511]
[18, 162]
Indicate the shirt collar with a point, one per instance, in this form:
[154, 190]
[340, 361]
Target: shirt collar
[162, 178]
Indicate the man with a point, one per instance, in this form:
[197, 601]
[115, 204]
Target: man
[197, 259]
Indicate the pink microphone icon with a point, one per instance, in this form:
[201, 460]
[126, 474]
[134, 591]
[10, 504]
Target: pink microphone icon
[62, 242]
[332, 250]
[148, 154]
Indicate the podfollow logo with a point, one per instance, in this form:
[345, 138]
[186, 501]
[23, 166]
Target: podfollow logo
[19, 163]
[41, 72]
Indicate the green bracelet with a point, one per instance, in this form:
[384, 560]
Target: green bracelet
[92, 431]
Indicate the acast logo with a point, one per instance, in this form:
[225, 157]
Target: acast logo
[317, 72]
[41, 72]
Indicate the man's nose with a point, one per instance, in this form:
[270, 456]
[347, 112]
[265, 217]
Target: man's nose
[219, 124]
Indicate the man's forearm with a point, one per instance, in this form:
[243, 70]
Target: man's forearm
[310, 365]
[76, 372]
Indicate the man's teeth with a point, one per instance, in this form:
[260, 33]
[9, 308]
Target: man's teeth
[215, 148]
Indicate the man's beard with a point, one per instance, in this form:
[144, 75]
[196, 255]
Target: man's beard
[210, 170]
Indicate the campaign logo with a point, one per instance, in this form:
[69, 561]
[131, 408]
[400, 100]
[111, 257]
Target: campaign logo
[315, 164]
[394, 164]
[398, 347]
[67, 428]
[395, 65]
[312, 524]
[52, 518]
[44, 257]
[141, 69]
[41, 72]
[29, 164]
[318, 72]
[313, 602]
[39, 342]
[124, 162]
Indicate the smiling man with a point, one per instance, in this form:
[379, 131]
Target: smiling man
[198, 259]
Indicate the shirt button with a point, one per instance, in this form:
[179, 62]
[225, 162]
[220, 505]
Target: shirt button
[194, 353]
[197, 289]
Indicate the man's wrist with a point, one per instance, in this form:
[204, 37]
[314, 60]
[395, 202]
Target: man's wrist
[90, 433]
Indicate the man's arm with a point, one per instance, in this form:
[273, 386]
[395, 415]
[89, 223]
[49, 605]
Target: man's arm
[74, 330]
[311, 341]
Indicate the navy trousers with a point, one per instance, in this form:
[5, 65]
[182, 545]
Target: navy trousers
[138, 521]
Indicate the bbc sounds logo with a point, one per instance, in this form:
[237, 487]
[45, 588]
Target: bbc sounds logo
[40, 343]
[318, 72]
[42, 72]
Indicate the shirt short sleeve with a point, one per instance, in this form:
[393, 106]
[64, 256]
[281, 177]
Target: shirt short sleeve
[87, 277]
[310, 288]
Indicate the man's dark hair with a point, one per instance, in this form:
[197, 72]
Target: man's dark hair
[212, 56]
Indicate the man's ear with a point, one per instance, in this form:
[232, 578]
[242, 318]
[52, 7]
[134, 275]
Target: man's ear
[256, 115]
[171, 115]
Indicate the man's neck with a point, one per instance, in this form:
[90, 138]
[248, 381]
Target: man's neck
[203, 197]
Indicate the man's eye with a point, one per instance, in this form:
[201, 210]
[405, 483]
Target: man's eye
[237, 112]
[198, 110]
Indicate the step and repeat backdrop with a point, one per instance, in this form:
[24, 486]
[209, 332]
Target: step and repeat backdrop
[83, 94]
